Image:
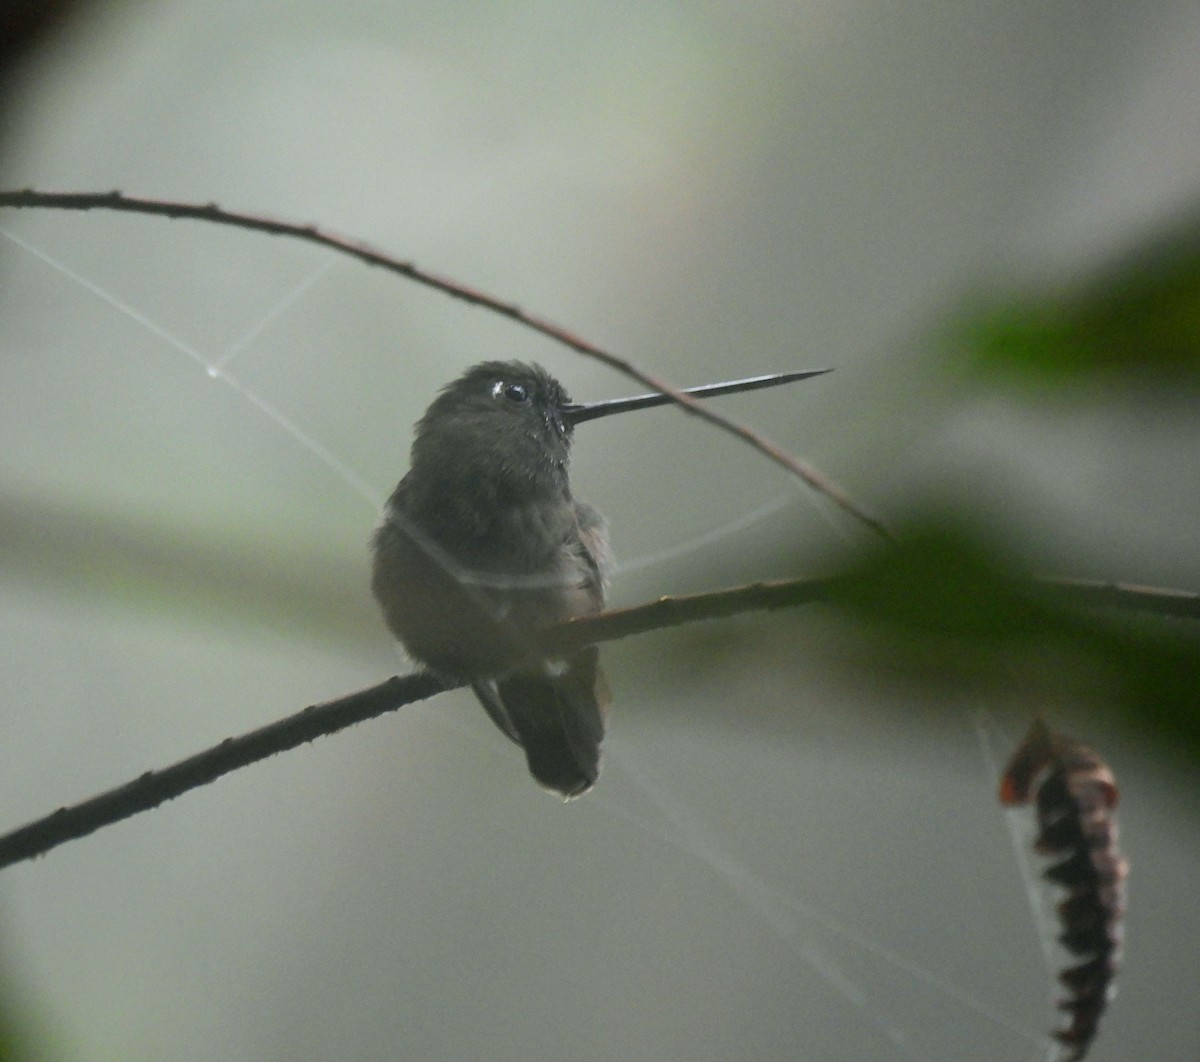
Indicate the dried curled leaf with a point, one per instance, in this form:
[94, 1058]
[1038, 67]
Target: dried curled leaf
[1075, 795]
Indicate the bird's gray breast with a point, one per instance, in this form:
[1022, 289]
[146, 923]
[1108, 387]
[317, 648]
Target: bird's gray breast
[465, 589]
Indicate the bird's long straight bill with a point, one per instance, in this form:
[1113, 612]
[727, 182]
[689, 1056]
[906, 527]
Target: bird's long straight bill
[577, 414]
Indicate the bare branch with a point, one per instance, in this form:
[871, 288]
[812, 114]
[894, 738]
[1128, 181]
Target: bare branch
[1125, 596]
[674, 611]
[210, 212]
[156, 787]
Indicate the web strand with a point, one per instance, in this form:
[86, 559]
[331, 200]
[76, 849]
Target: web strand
[689, 835]
[1012, 821]
[212, 369]
[683, 830]
[285, 303]
[215, 369]
[210, 212]
[984, 722]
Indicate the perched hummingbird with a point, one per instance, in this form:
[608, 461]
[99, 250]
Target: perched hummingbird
[482, 546]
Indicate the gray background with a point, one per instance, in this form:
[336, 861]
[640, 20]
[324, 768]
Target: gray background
[785, 858]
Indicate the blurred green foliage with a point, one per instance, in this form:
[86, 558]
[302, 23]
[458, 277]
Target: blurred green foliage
[948, 607]
[17, 1041]
[1138, 318]
[951, 606]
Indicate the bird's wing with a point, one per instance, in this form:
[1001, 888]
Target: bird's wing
[489, 697]
[594, 550]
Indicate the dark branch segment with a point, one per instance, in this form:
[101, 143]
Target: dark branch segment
[1126, 596]
[156, 787]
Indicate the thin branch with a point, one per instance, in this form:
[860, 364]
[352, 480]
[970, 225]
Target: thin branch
[156, 787]
[675, 611]
[1125, 596]
[210, 212]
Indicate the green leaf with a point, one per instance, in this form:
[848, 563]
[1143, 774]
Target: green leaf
[1138, 319]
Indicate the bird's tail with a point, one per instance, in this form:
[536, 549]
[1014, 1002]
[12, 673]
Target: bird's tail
[557, 717]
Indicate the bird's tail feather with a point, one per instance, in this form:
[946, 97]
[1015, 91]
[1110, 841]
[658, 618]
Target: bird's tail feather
[559, 721]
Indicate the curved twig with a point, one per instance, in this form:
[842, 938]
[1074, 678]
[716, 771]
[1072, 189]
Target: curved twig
[210, 212]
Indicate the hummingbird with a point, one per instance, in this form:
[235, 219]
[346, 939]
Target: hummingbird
[483, 546]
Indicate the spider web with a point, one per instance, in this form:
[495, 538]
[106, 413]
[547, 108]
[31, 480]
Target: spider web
[847, 961]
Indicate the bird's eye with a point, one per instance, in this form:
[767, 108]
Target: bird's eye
[514, 392]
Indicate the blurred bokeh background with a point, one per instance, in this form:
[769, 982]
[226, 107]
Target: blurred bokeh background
[981, 215]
